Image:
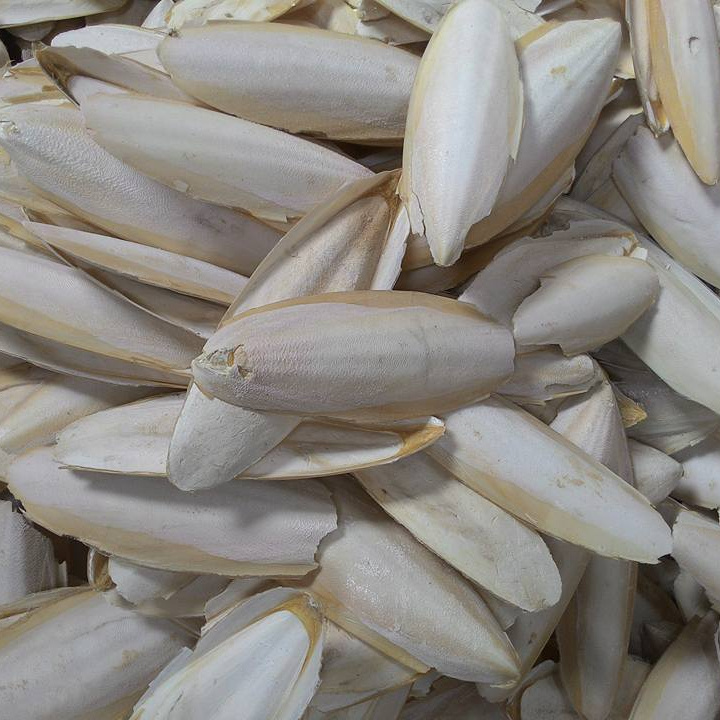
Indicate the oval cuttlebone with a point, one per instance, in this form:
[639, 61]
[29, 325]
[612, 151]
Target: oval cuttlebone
[29, 12]
[528, 258]
[116, 653]
[463, 126]
[198, 12]
[248, 528]
[696, 540]
[268, 173]
[698, 484]
[354, 241]
[566, 71]
[380, 584]
[467, 531]
[110, 38]
[683, 683]
[143, 263]
[551, 484]
[677, 208]
[133, 440]
[269, 665]
[572, 307]
[686, 68]
[412, 354]
[52, 149]
[63, 305]
[302, 80]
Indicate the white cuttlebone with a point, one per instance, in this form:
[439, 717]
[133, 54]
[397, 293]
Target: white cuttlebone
[376, 581]
[52, 149]
[671, 422]
[198, 12]
[387, 706]
[686, 68]
[134, 440]
[62, 304]
[263, 171]
[677, 208]
[699, 483]
[27, 560]
[72, 361]
[110, 38]
[459, 702]
[590, 423]
[160, 592]
[689, 596]
[116, 653]
[470, 533]
[573, 309]
[638, 21]
[696, 541]
[609, 199]
[678, 338]
[594, 632]
[78, 71]
[338, 16]
[11, 397]
[263, 656]
[683, 683]
[354, 241]
[656, 474]
[463, 127]
[547, 374]
[552, 484]
[143, 263]
[157, 18]
[249, 528]
[527, 259]
[303, 80]
[55, 404]
[400, 355]
[353, 671]
[582, 54]
[28, 12]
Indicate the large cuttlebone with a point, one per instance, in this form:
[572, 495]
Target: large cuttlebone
[143, 263]
[549, 58]
[27, 561]
[528, 258]
[354, 241]
[61, 304]
[677, 339]
[303, 80]
[248, 528]
[51, 147]
[683, 683]
[116, 653]
[412, 354]
[268, 173]
[686, 69]
[552, 484]
[29, 12]
[469, 532]
[572, 308]
[463, 126]
[677, 208]
[263, 655]
[656, 474]
[382, 585]
[134, 440]
[594, 632]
